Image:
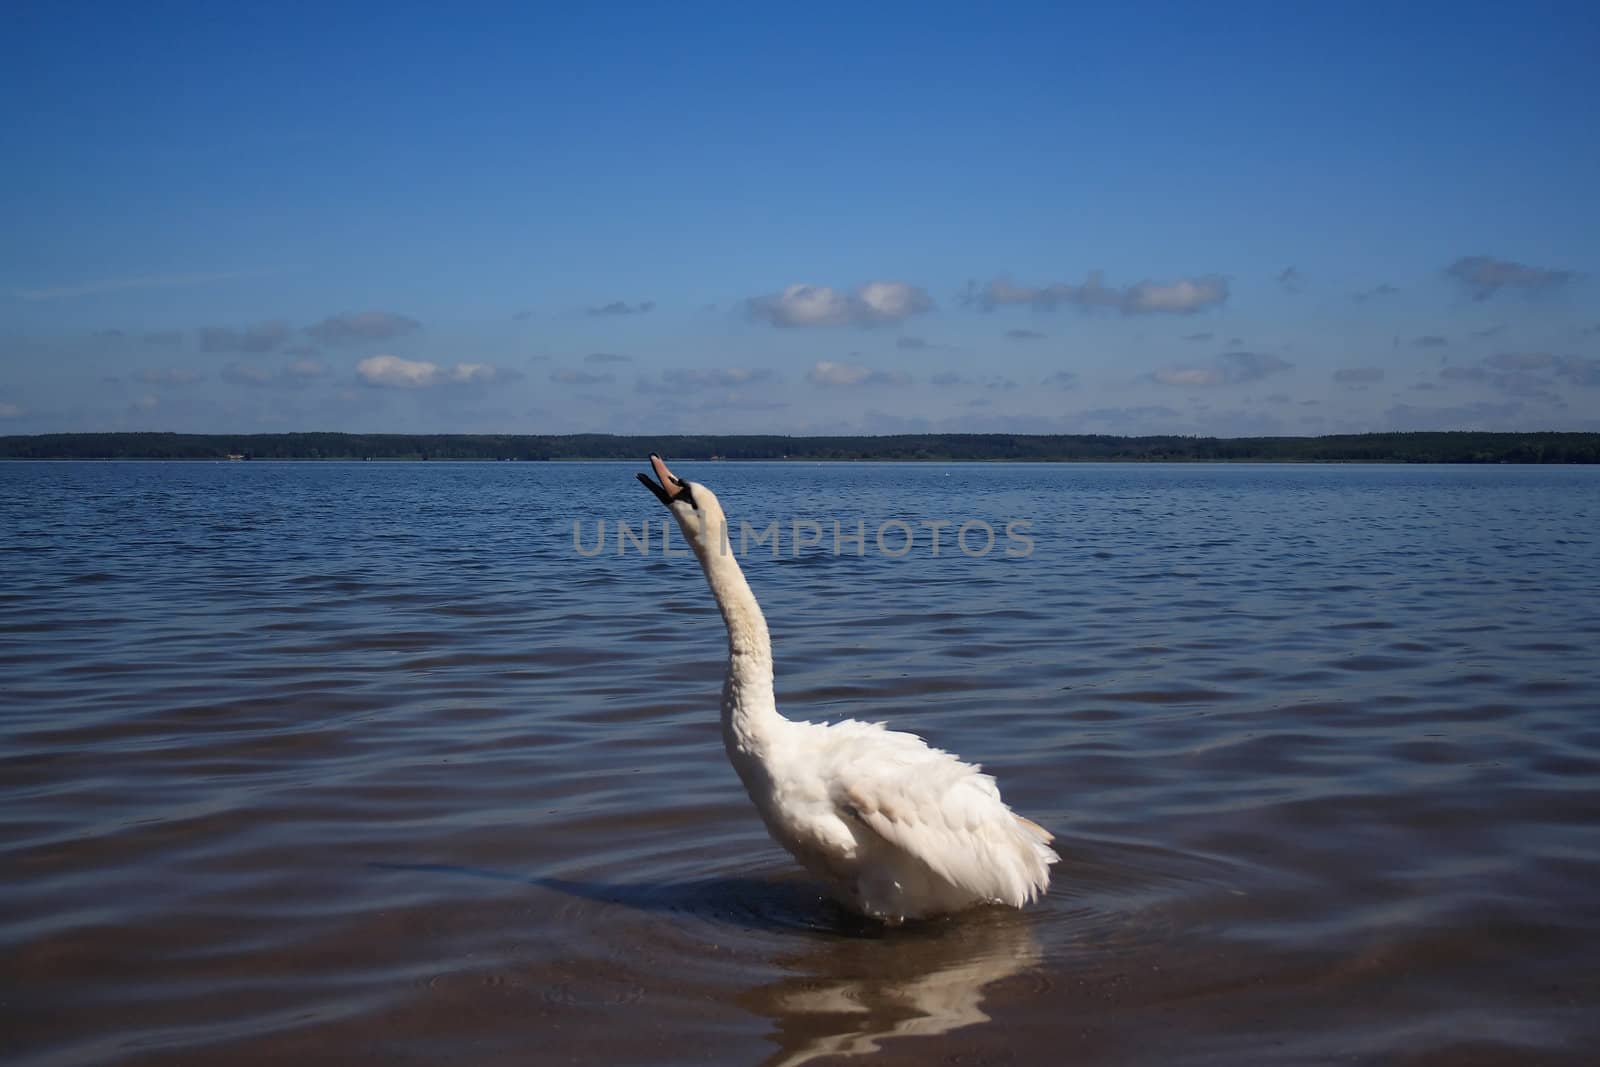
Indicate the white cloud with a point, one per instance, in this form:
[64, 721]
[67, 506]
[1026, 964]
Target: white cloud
[1184, 296]
[363, 326]
[805, 305]
[292, 375]
[622, 307]
[1579, 370]
[1521, 361]
[11, 411]
[828, 373]
[1383, 289]
[696, 377]
[947, 379]
[821, 305]
[474, 373]
[262, 338]
[396, 373]
[1231, 368]
[1188, 376]
[892, 301]
[1538, 375]
[1484, 276]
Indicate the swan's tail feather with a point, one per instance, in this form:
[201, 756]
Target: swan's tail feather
[1041, 848]
[1038, 831]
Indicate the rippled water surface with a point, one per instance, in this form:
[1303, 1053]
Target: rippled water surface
[368, 763]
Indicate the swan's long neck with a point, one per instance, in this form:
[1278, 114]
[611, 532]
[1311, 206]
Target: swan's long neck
[750, 716]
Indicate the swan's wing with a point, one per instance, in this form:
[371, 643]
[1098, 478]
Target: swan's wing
[946, 814]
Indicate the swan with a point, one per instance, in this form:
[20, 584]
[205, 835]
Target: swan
[894, 828]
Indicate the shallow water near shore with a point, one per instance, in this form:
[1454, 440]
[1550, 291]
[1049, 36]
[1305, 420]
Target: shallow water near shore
[341, 763]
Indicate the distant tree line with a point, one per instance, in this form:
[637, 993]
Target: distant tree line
[1452, 447]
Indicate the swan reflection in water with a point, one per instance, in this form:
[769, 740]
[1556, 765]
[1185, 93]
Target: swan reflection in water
[849, 984]
[846, 996]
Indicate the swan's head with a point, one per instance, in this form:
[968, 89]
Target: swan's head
[694, 506]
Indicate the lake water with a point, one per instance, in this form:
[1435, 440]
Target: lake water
[340, 763]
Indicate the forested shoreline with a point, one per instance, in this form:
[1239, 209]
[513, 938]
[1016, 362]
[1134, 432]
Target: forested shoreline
[1432, 447]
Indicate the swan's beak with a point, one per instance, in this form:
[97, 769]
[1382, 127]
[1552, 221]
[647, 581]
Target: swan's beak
[671, 487]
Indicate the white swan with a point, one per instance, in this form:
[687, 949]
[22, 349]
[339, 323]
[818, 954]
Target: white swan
[897, 830]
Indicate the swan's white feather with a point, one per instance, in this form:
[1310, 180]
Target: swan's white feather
[899, 829]
[896, 829]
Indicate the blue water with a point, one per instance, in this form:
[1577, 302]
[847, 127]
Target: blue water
[371, 763]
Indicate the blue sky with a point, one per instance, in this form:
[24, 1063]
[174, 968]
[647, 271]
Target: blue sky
[1237, 219]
